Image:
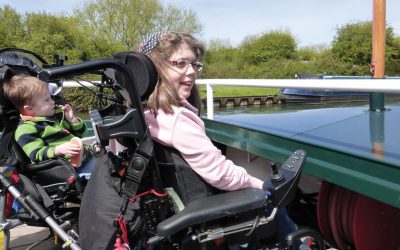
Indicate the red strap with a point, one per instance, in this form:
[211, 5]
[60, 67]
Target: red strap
[124, 231]
[119, 245]
[151, 191]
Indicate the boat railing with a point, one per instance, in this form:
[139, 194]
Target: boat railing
[388, 85]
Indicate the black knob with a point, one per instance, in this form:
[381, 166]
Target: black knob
[277, 175]
[274, 168]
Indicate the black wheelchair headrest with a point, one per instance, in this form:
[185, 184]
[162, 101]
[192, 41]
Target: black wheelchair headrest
[13, 62]
[142, 69]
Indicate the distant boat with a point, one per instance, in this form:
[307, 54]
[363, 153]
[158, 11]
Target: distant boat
[289, 95]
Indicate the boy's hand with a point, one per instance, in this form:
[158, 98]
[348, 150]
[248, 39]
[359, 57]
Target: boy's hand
[69, 114]
[67, 148]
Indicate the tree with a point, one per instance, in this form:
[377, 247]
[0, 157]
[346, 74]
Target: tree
[273, 45]
[216, 44]
[353, 43]
[392, 63]
[11, 27]
[116, 25]
[311, 53]
[174, 19]
[221, 62]
[47, 35]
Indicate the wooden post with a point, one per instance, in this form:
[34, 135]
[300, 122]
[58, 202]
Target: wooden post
[378, 51]
[377, 100]
[378, 38]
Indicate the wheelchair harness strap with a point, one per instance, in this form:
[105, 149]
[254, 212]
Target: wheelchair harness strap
[137, 167]
[132, 179]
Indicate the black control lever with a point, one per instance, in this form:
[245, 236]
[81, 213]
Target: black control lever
[283, 182]
[277, 175]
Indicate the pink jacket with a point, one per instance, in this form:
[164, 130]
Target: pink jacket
[185, 131]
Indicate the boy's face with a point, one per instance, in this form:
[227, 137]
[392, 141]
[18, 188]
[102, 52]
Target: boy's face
[43, 105]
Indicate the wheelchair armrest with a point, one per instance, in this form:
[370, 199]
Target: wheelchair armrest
[50, 171]
[211, 208]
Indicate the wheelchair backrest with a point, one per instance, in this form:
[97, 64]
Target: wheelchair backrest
[177, 173]
[143, 70]
[14, 62]
[138, 83]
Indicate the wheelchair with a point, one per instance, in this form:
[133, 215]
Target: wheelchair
[42, 190]
[127, 196]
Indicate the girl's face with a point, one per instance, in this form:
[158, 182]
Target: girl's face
[181, 70]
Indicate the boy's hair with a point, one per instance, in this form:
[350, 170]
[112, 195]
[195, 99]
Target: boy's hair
[21, 90]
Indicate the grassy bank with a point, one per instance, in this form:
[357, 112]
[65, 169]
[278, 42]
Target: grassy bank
[224, 91]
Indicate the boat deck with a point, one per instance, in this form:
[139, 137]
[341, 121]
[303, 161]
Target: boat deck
[349, 146]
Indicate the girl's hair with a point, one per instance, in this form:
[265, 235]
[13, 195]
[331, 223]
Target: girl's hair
[165, 95]
[21, 90]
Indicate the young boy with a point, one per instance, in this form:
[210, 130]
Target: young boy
[46, 130]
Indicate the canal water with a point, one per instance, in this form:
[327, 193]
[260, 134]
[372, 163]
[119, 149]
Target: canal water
[280, 107]
[274, 108]
[286, 107]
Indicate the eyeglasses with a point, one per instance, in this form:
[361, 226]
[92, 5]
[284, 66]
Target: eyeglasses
[184, 64]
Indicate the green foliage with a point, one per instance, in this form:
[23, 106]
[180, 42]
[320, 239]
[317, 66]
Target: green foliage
[271, 45]
[11, 27]
[392, 67]
[217, 44]
[116, 28]
[124, 25]
[261, 57]
[222, 62]
[311, 53]
[175, 19]
[392, 44]
[47, 35]
[99, 29]
[80, 99]
[353, 43]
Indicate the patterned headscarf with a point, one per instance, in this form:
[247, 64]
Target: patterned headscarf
[149, 42]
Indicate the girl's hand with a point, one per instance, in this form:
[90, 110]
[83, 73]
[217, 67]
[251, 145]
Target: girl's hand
[69, 114]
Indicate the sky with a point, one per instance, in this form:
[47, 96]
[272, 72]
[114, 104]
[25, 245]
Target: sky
[311, 22]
